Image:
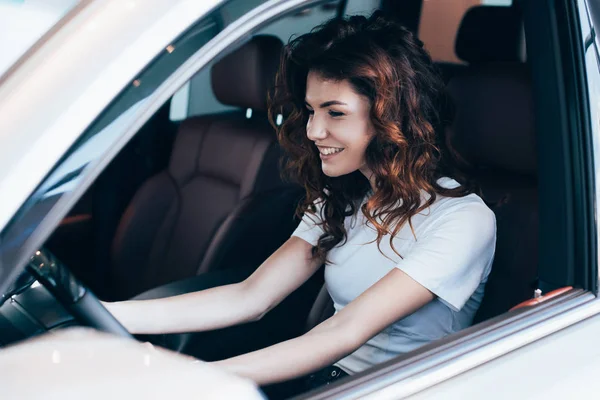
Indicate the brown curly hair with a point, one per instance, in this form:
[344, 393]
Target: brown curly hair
[410, 111]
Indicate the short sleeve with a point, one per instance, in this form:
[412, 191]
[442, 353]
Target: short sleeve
[454, 255]
[310, 229]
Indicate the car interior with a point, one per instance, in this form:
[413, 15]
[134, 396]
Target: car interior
[191, 196]
[201, 205]
[210, 182]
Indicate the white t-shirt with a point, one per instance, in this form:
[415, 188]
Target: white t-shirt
[451, 256]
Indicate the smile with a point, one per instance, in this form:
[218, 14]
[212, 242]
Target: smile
[327, 151]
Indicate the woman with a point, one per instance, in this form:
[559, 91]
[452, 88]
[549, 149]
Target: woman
[407, 248]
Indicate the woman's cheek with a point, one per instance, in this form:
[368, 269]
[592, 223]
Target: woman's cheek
[351, 130]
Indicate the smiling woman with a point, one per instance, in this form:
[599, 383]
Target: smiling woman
[367, 100]
[364, 137]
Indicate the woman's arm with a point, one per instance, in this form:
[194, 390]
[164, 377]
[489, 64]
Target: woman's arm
[390, 299]
[282, 273]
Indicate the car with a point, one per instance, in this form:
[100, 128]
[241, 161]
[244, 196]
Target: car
[136, 155]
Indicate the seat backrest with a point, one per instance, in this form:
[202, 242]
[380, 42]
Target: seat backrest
[207, 209]
[494, 127]
[493, 131]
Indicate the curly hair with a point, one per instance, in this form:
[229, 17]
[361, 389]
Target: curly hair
[409, 109]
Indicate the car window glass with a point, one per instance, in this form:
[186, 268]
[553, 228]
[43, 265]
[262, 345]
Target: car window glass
[593, 11]
[439, 24]
[196, 97]
[593, 77]
[361, 7]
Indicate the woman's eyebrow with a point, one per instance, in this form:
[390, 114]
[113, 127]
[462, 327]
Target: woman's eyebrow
[328, 103]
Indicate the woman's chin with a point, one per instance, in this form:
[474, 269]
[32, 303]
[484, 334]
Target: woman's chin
[333, 172]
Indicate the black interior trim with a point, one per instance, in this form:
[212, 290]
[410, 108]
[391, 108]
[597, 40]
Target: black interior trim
[407, 12]
[341, 8]
[557, 228]
[579, 121]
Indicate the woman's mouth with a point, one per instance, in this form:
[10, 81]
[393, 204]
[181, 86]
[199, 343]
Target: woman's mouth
[327, 153]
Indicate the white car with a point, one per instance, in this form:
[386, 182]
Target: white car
[135, 155]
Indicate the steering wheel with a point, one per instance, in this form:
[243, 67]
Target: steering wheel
[76, 298]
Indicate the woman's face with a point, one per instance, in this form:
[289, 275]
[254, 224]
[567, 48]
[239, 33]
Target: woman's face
[338, 124]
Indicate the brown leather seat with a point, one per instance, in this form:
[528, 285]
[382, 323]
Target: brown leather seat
[494, 131]
[208, 209]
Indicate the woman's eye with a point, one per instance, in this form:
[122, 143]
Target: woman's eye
[335, 113]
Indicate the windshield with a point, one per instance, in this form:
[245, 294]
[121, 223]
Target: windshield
[24, 22]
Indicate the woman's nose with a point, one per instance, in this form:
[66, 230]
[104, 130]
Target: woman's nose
[315, 130]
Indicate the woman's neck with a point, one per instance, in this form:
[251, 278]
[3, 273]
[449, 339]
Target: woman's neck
[369, 175]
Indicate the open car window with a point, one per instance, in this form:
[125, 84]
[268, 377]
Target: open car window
[196, 96]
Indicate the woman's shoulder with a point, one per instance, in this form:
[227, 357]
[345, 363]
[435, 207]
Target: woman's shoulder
[471, 206]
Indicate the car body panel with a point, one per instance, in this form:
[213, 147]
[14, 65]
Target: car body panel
[82, 363]
[16, 37]
[561, 366]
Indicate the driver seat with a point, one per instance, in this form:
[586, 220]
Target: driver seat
[221, 185]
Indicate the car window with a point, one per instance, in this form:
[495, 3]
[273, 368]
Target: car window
[196, 97]
[439, 24]
[23, 23]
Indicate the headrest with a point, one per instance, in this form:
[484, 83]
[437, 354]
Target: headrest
[227, 150]
[490, 34]
[494, 126]
[243, 77]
